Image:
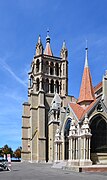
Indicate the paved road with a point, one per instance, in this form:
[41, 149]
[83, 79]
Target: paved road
[28, 171]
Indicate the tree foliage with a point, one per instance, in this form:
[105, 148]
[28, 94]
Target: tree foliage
[17, 153]
[6, 150]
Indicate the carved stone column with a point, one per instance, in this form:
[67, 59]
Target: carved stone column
[85, 143]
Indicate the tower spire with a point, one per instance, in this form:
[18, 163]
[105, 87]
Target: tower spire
[48, 50]
[64, 45]
[86, 91]
[86, 55]
[39, 39]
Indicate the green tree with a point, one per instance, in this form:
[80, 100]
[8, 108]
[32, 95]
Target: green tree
[1, 154]
[7, 150]
[17, 153]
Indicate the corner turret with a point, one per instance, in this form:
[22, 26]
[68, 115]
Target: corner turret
[39, 47]
[64, 52]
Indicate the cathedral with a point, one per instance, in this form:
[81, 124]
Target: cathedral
[57, 127]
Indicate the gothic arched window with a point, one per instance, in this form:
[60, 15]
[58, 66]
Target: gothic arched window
[47, 86]
[43, 83]
[66, 134]
[37, 84]
[98, 126]
[52, 86]
[37, 65]
[47, 67]
[57, 86]
[63, 69]
[31, 81]
[51, 68]
[56, 69]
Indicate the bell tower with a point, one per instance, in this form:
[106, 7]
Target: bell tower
[48, 75]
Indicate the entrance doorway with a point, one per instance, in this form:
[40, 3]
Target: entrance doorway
[66, 140]
[98, 127]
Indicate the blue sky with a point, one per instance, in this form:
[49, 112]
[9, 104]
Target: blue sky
[21, 21]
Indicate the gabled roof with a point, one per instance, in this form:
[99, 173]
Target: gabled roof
[86, 90]
[56, 99]
[89, 108]
[77, 109]
[56, 102]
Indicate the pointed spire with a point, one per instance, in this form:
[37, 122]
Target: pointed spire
[86, 55]
[39, 40]
[64, 45]
[39, 47]
[64, 51]
[86, 91]
[48, 50]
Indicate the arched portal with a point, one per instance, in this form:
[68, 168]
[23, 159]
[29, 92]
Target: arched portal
[98, 126]
[66, 140]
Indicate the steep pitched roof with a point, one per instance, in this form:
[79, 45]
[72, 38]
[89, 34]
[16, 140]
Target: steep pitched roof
[88, 108]
[86, 90]
[48, 50]
[56, 99]
[77, 109]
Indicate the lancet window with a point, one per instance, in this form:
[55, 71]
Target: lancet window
[37, 84]
[37, 65]
[57, 86]
[47, 86]
[56, 69]
[47, 67]
[51, 68]
[52, 86]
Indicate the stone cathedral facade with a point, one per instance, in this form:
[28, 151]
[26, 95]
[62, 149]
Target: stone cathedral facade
[57, 127]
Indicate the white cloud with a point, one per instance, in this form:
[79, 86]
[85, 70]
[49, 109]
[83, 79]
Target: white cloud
[8, 68]
[14, 96]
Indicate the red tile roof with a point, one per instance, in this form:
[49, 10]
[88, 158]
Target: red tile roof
[86, 90]
[97, 87]
[48, 50]
[88, 108]
[79, 111]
